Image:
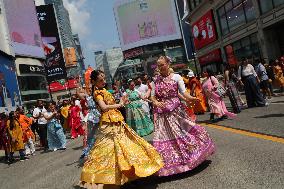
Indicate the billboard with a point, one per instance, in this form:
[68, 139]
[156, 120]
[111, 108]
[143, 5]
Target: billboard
[70, 57]
[24, 28]
[54, 64]
[9, 90]
[204, 31]
[142, 22]
[211, 57]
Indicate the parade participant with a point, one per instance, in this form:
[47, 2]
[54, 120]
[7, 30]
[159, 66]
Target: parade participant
[279, 78]
[41, 123]
[136, 117]
[182, 143]
[64, 112]
[16, 135]
[143, 90]
[263, 77]
[215, 101]
[28, 135]
[196, 91]
[248, 77]
[119, 155]
[230, 80]
[75, 118]
[55, 135]
[90, 120]
[4, 137]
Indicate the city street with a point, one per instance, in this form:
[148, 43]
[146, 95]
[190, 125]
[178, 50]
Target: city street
[248, 155]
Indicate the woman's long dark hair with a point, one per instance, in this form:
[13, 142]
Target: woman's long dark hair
[94, 76]
[12, 120]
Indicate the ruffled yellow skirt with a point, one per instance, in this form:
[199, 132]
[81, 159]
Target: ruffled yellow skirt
[119, 156]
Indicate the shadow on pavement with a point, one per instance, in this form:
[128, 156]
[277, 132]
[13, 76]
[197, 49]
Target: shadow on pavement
[270, 115]
[153, 181]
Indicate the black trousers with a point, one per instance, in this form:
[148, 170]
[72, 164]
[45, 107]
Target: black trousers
[43, 135]
[252, 90]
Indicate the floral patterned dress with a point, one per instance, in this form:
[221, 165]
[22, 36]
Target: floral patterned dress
[119, 155]
[182, 143]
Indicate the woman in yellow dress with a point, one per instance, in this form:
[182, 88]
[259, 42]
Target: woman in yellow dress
[119, 155]
[279, 78]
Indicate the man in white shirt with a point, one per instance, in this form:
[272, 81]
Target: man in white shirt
[41, 123]
[143, 90]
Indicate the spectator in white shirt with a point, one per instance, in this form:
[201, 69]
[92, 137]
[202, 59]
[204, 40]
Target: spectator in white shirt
[144, 91]
[248, 77]
[38, 115]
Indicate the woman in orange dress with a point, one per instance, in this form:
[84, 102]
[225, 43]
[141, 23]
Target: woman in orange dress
[279, 78]
[196, 91]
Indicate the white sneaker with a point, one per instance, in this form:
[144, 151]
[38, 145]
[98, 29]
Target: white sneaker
[55, 149]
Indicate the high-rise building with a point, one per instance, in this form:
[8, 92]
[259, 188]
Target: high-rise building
[65, 32]
[80, 52]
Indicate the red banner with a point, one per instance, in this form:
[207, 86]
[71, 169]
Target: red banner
[213, 56]
[57, 86]
[204, 31]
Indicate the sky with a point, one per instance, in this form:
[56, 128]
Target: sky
[94, 21]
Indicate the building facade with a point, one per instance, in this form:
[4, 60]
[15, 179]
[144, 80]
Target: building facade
[27, 45]
[238, 28]
[67, 38]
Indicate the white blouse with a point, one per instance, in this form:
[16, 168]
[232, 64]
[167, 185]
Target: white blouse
[178, 79]
[247, 70]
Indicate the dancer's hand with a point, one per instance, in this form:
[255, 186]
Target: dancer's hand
[158, 104]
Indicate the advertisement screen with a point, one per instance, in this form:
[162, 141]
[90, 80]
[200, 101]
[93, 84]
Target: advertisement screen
[24, 28]
[9, 90]
[70, 57]
[204, 31]
[54, 64]
[142, 22]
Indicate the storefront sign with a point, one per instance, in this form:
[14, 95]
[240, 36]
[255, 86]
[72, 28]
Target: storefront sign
[59, 86]
[132, 53]
[213, 56]
[232, 60]
[204, 31]
[54, 65]
[27, 69]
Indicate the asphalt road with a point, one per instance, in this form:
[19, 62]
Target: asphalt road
[240, 161]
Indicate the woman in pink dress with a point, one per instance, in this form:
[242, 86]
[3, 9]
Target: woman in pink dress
[75, 119]
[181, 142]
[215, 102]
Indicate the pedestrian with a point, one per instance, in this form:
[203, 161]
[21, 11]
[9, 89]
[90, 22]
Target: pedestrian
[196, 91]
[271, 76]
[16, 135]
[230, 81]
[263, 77]
[136, 117]
[143, 90]
[91, 121]
[4, 137]
[64, 113]
[38, 113]
[249, 79]
[75, 120]
[215, 101]
[279, 78]
[119, 155]
[55, 134]
[181, 142]
[28, 135]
